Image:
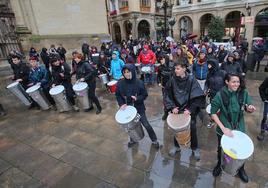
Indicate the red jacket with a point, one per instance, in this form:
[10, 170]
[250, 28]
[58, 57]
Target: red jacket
[146, 58]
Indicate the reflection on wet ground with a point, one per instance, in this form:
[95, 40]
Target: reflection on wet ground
[51, 149]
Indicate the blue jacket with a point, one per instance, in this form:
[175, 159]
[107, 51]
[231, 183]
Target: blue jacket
[116, 67]
[39, 74]
[133, 87]
[200, 71]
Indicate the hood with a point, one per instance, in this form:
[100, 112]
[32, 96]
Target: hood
[117, 54]
[214, 63]
[146, 47]
[132, 69]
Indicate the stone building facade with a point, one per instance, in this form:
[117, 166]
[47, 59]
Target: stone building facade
[70, 22]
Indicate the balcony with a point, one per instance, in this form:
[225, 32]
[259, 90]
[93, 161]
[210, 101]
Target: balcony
[123, 9]
[145, 8]
[113, 12]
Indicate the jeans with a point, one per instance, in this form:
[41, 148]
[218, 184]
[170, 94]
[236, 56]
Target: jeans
[194, 141]
[264, 118]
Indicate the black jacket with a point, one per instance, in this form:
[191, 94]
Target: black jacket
[164, 73]
[21, 71]
[221, 55]
[231, 67]
[86, 71]
[134, 87]
[184, 93]
[263, 90]
[64, 68]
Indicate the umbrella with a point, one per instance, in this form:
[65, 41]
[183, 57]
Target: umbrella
[106, 40]
[191, 36]
[257, 38]
[170, 39]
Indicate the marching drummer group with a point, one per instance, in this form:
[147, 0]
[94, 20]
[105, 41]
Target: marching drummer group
[186, 76]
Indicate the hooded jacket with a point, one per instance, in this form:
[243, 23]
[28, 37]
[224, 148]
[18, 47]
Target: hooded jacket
[215, 78]
[146, 57]
[62, 68]
[86, 71]
[263, 90]
[116, 66]
[21, 71]
[231, 67]
[131, 87]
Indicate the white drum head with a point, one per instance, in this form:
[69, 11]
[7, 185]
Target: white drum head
[208, 109]
[125, 116]
[103, 75]
[12, 84]
[111, 83]
[56, 90]
[33, 88]
[80, 86]
[145, 69]
[157, 64]
[240, 146]
[178, 121]
[137, 64]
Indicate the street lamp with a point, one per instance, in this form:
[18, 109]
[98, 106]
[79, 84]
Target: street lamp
[165, 6]
[172, 22]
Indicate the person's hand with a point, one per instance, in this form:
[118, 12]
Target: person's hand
[175, 110]
[82, 80]
[187, 112]
[134, 98]
[38, 83]
[123, 107]
[61, 74]
[250, 108]
[227, 132]
[53, 85]
[19, 80]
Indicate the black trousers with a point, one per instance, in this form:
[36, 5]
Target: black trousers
[147, 126]
[194, 141]
[92, 94]
[69, 92]
[47, 95]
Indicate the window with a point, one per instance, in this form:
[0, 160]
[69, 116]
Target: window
[123, 3]
[145, 3]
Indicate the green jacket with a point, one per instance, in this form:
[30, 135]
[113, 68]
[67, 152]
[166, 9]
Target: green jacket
[234, 109]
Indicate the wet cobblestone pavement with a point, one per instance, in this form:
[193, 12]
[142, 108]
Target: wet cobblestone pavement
[85, 150]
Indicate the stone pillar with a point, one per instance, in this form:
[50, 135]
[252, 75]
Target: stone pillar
[176, 30]
[196, 24]
[122, 29]
[16, 8]
[152, 30]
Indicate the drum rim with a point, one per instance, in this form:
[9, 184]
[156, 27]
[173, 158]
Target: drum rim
[248, 139]
[30, 89]
[128, 107]
[12, 84]
[112, 82]
[80, 89]
[176, 128]
[56, 88]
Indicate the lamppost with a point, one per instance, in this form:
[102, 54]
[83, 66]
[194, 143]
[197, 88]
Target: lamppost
[172, 22]
[164, 4]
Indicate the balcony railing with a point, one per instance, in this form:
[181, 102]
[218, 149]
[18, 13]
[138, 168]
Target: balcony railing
[145, 8]
[124, 9]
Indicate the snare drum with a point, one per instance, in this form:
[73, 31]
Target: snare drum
[236, 150]
[104, 79]
[17, 89]
[180, 124]
[38, 96]
[146, 70]
[129, 119]
[59, 96]
[81, 90]
[112, 86]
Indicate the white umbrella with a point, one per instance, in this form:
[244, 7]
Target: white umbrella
[170, 39]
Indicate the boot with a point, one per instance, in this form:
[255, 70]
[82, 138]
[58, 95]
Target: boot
[155, 144]
[217, 169]
[172, 152]
[260, 137]
[164, 117]
[2, 111]
[242, 174]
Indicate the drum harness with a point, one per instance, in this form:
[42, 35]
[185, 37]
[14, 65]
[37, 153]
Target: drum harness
[226, 102]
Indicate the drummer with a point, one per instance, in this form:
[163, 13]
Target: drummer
[86, 73]
[39, 74]
[116, 66]
[131, 91]
[183, 94]
[61, 75]
[231, 100]
[21, 71]
[163, 75]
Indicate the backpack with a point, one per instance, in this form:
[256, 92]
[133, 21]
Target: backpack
[225, 100]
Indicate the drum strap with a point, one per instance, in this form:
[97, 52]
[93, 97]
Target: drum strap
[225, 100]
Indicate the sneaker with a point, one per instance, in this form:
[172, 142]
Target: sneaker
[98, 111]
[130, 144]
[196, 154]
[156, 144]
[89, 109]
[172, 152]
[243, 175]
[260, 137]
[217, 170]
[75, 108]
[53, 107]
